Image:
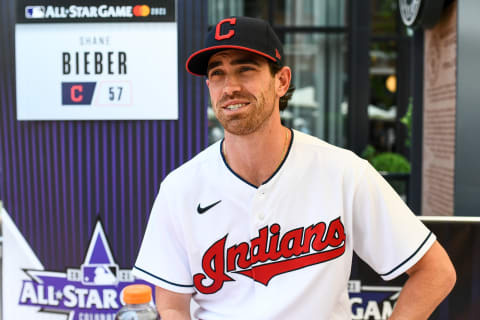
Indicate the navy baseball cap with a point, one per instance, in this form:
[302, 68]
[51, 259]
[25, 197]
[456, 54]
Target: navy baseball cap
[241, 33]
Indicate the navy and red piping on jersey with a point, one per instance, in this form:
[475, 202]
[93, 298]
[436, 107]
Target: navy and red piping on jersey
[409, 258]
[273, 174]
[161, 279]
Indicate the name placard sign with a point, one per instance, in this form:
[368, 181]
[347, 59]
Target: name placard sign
[90, 61]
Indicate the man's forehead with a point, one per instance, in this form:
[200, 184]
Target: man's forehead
[234, 55]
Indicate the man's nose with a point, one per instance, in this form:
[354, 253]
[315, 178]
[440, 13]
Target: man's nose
[232, 85]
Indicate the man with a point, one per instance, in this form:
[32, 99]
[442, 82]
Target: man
[263, 224]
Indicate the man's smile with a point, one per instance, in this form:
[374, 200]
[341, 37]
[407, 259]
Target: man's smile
[235, 105]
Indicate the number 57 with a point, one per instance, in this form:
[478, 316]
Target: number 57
[111, 93]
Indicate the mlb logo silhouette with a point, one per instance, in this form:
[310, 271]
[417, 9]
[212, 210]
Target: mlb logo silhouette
[101, 274]
[35, 12]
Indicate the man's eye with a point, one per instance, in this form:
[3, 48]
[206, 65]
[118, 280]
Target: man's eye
[244, 69]
[215, 73]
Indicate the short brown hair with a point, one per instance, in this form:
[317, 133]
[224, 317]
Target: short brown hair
[274, 69]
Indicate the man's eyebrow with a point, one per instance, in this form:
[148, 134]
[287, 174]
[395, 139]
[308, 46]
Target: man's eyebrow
[213, 65]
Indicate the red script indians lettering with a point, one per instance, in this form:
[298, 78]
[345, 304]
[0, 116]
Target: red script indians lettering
[270, 254]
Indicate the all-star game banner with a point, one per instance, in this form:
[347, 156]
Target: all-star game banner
[90, 291]
[91, 60]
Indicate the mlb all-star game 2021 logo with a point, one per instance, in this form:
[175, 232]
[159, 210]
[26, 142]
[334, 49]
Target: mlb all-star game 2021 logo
[92, 292]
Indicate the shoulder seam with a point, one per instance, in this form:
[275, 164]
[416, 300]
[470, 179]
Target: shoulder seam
[161, 279]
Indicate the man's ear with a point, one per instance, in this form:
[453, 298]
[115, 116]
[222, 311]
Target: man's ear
[207, 82]
[284, 76]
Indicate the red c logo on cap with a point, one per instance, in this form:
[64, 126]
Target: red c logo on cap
[230, 33]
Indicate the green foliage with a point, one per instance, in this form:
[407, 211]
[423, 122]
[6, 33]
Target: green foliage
[390, 162]
[386, 161]
[369, 153]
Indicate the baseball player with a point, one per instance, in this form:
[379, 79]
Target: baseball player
[263, 224]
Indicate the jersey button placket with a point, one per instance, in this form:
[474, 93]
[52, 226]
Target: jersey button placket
[259, 222]
[259, 215]
[261, 200]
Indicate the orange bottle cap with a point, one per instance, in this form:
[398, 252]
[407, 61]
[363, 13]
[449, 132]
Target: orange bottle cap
[137, 294]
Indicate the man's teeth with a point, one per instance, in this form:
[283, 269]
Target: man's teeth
[235, 106]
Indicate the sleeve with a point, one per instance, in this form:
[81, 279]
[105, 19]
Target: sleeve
[162, 259]
[386, 234]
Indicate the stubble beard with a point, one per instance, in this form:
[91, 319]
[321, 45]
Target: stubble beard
[247, 123]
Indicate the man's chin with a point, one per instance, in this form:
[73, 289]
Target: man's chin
[238, 130]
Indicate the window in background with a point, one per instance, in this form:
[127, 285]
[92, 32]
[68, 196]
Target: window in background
[389, 95]
[382, 110]
[319, 105]
[219, 9]
[310, 13]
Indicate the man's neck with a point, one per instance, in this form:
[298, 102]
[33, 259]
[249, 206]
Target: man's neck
[255, 157]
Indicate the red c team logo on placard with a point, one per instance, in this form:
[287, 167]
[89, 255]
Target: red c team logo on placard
[230, 33]
[77, 93]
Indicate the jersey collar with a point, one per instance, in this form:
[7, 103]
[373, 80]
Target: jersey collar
[271, 177]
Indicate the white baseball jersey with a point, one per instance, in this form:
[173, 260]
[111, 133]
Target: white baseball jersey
[282, 250]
